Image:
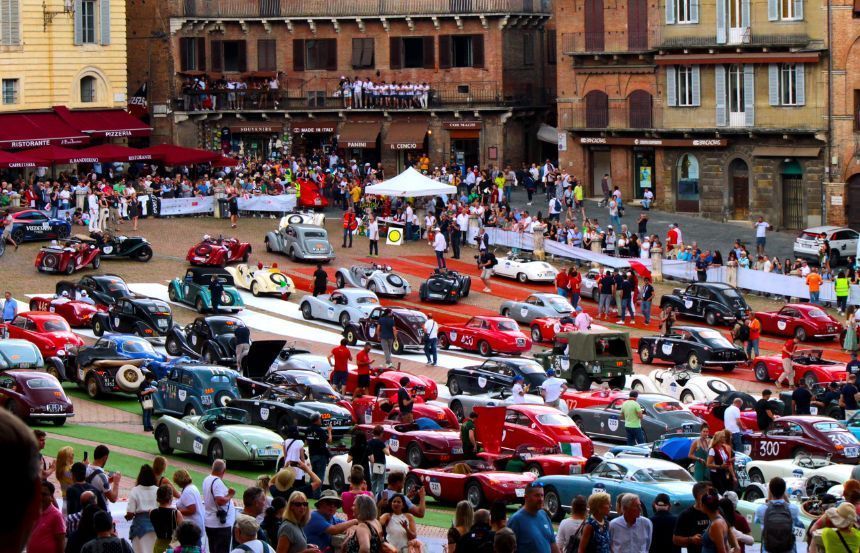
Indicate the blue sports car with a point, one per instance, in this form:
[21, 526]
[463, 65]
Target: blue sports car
[32, 224]
[644, 477]
[126, 346]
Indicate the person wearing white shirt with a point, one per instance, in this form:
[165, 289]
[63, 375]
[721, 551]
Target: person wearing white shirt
[463, 224]
[761, 228]
[429, 222]
[218, 498]
[518, 392]
[142, 500]
[93, 209]
[647, 199]
[439, 246]
[373, 236]
[408, 234]
[190, 502]
[552, 389]
[732, 418]
[431, 339]
[582, 320]
[357, 87]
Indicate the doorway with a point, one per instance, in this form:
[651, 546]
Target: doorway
[600, 165]
[792, 195]
[643, 179]
[737, 29]
[852, 203]
[465, 152]
[740, 184]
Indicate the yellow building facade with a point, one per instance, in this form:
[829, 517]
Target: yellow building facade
[62, 53]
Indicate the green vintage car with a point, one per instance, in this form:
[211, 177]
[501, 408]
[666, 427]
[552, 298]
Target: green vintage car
[194, 290]
[593, 356]
[221, 433]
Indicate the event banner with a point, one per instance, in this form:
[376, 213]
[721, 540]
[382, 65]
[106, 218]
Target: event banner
[168, 207]
[279, 204]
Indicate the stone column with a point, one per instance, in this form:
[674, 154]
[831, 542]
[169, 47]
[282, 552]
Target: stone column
[538, 241]
[656, 264]
[595, 247]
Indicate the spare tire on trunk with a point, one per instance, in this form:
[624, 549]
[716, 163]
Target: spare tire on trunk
[129, 378]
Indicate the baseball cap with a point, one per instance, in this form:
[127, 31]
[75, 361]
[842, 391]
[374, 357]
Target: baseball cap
[247, 525]
[662, 500]
[550, 372]
[518, 378]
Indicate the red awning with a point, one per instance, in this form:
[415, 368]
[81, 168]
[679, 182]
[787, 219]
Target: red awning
[58, 154]
[30, 130]
[115, 152]
[110, 123]
[16, 159]
[225, 161]
[170, 154]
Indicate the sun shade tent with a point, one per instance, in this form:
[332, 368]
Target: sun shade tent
[410, 184]
[15, 160]
[29, 130]
[59, 155]
[108, 123]
[170, 154]
[114, 152]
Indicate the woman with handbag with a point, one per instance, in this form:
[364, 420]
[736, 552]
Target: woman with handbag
[147, 405]
[165, 519]
[719, 463]
[571, 528]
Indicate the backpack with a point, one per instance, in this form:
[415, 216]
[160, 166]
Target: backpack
[100, 495]
[556, 204]
[744, 333]
[777, 534]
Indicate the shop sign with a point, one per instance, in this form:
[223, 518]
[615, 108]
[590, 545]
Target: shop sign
[359, 144]
[238, 129]
[462, 125]
[405, 146]
[562, 142]
[663, 142]
[299, 128]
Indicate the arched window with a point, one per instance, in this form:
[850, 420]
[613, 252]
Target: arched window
[639, 106]
[88, 89]
[596, 110]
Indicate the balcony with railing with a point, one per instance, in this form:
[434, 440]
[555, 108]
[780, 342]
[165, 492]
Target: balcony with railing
[758, 32]
[609, 42]
[618, 116]
[250, 9]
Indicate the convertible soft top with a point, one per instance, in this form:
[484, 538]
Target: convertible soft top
[203, 275]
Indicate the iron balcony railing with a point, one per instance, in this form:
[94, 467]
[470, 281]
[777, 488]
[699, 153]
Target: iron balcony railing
[609, 42]
[359, 8]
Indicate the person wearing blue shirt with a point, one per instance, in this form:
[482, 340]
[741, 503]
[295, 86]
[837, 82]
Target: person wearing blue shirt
[10, 308]
[776, 496]
[532, 525]
[323, 524]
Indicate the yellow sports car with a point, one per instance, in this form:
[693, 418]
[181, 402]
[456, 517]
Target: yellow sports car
[263, 279]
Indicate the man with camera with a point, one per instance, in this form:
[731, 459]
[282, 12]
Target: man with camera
[486, 261]
[220, 513]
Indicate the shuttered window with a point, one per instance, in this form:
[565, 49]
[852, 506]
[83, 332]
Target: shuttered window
[550, 47]
[786, 84]
[362, 53]
[787, 10]
[298, 55]
[88, 22]
[10, 22]
[683, 85]
[267, 57]
[229, 56]
[192, 54]
[104, 22]
[416, 52]
[321, 54]
[468, 50]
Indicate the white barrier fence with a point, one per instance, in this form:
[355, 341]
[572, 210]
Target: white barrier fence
[166, 207]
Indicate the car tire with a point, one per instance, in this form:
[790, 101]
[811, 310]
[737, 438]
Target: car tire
[336, 480]
[59, 422]
[645, 354]
[199, 305]
[18, 236]
[293, 255]
[129, 378]
[535, 469]
[422, 292]
[522, 278]
[537, 337]
[474, 494]
[162, 438]
[55, 368]
[810, 379]
[97, 262]
[210, 356]
[414, 456]
[171, 346]
[444, 342]
[687, 397]
[191, 411]
[761, 373]
[800, 334]
[92, 387]
[144, 254]
[268, 245]
[344, 319]
[412, 481]
[172, 295]
[484, 348]
[638, 386]
[70, 268]
[98, 327]
[351, 336]
[255, 291]
[756, 476]
[595, 295]
[457, 409]
[753, 493]
[580, 379]
[694, 362]
[710, 318]
[216, 451]
[307, 312]
[453, 386]
[552, 504]
[397, 346]
[506, 312]
[222, 400]
[339, 281]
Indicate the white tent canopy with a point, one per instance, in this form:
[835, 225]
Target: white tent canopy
[410, 184]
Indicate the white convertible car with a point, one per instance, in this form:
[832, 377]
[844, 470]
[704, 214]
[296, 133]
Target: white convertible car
[338, 470]
[681, 383]
[804, 475]
[524, 267]
[262, 280]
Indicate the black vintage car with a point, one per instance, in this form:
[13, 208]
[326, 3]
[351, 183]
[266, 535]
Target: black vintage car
[102, 289]
[445, 286]
[281, 407]
[495, 373]
[212, 339]
[102, 369]
[696, 346]
[408, 329]
[313, 385]
[143, 316]
[715, 302]
[122, 247]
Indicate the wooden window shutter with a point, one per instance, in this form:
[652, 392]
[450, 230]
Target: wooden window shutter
[79, 23]
[298, 54]
[773, 84]
[671, 86]
[217, 55]
[721, 21]
[798, 9]
[800, 84]
[357, 52]
[477, 51]
[444, 51]
[395, 45]
[367, 54]
[694, 11]
[670, 11]
[201, 54]
[330, 47]
[266, 55]
[104, 22]
[429, 54]
[746, 8]
[10, 22]
[242, 51]
[773, 10]
[183, 53]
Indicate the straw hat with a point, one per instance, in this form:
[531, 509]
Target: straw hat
[843, 516]
[285, 479]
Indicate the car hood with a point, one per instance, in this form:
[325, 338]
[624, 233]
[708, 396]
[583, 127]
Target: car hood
[310, 407]
[435, 436]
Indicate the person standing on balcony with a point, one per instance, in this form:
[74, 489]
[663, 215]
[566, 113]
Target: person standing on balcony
[357, 96]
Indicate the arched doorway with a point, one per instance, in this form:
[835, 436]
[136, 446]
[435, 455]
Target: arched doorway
[687, 198]
[852, 202]
[739, 179]
[792, 195]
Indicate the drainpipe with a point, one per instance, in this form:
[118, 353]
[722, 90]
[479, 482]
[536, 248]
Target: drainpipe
[828, 167]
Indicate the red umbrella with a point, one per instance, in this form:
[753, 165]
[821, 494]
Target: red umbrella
[170, 154]
[58, 154]
[13, 160]
[224, 161]
[115, 152]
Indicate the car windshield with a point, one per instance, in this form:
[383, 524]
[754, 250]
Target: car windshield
[555, 419]
[714, 339]
[508, 326]
[366, 300]
[226, 415]
[43, 384]
[14, 355]
[59, 325]
[527, 366]
[806, 235]
[817, 314]
[561, 305]
[116, 288]
[224, 326]
[314, 234]
[138, 346]
[731, 293]
[662, 474]
[667, 406]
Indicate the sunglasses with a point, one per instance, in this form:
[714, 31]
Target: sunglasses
[299, 504]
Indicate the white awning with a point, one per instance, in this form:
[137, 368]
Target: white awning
[548, 134]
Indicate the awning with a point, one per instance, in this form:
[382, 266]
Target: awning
[110, 123]
[548, 134]
[170, 154]
[718, 59]
[114, 152]
[30, 130]
[58, 154]
[786, 151]
[406, 135]
[14, 160]
[257, 128]
[359, 134]
[299, 127]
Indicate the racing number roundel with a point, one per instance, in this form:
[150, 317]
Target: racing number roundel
[294, 219]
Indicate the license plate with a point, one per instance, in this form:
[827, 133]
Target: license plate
[268, 452]
[55, 408]
[24, 365]
[457, 451]
[109, 383]
[521, 492]
[852, 451]
[162, 323]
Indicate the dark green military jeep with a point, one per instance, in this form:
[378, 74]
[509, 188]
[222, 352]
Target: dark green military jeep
[594, 356]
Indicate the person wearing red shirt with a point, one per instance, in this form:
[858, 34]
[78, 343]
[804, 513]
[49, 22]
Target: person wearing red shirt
[561, 283]
[787, 366]
[349, 225]
[574, 281]
[339, 358]
[671, 238]
[363, 360]
[755, 333]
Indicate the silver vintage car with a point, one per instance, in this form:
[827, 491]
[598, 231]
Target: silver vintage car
[301, 243]
[536, 306]
[376, 278]
[341, 306]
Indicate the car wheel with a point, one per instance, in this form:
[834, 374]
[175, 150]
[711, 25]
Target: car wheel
[595, 296]
[616, 383]
[97, 262]
[522, 278]
[687, 397]
[70, 268]
[268, 245]
[397, 346]
[414, 456]
[284, 424]
[339, 281]
[336, 479]
[638, 386]
[800, 334]
[412, 482]
[761, 372]
[552, 504]
[457, 409]
[579, 378]
[93, 387]
[307, 313]
[372, 287]
[536, 335]
[171, 345]
[98, 327]
[752, 494]
[129, 378]
[246, 256]
[54, 367]
[293, 255]
[645, 354]
[162, 438]
[18, 235]
[454, 386]
[694, 362]
[200, 306]
[171, 294]
[817, 485]
[191, 411]
[59, 422]
[223, 399]
[351, 337]
[216, 451]
[474, 494]
[484, 348]
[756, 476]
[710, 318]
[144, 254]
[444, 342]
[344, 319]
[255, 291]
[810, 379]
[535, 469]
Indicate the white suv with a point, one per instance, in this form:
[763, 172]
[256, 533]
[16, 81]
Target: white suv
[843, 243]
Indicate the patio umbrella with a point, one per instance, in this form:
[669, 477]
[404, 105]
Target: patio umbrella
[14, 160]
[170, 154]
[115, 152]
[58, 154]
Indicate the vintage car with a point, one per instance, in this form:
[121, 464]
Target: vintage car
[101, 370]
[48, 331]
[494, 373]
[78, 314]
[280, 408]
[218, 252]
[817, 474]
[31, 224]
[680, 382]
[301, 243]
[387, 378]
[121, 346]
[796, 436]
[536, 306]
[339, 468]
[189, 388]
[419, 448]
[382, 409]
[103, 290]
[280, 355]
[139, 315]
[589, 288]
[842, 241]
[312, 385]
[462, 404]
[262, 279]
[136, 248]
[211, 339]
[593, 398]
[445, 286]
[310, 197]
[853, 425]
[341, 306]
[476, 481]
[552, 329]
[695, 346]
[67, 256]
[22, 354]
[524, 267]
[542, 425]
[595, 356]
[33, 395]
[712, 411]
[808, 366]
[315, 218]
[194, 290]
[714, 302]
[645, 477]
[803, 321]
[379, 279]
[661, 415]
[408, 329]
[486, 335]
[221, 433]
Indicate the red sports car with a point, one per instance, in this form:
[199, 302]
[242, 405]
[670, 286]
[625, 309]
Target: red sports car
[792, 436]
[808, 365]
[801, 320]
[541, 425]
[67, 256]
[475, 481]
[47, 331]
[218, 252]
[383, 410]
[78, 314]
[35, 395]
[486, 335]
[544, 329]
[592, 398]
[419, 448]
[712, 411]
[382, 378]
[310, 195]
